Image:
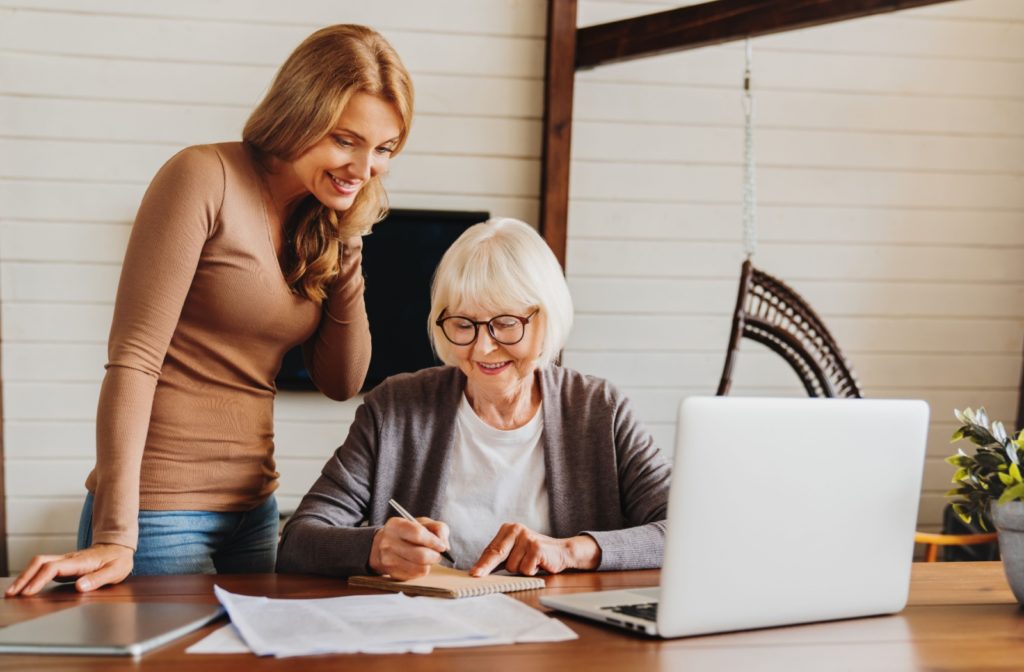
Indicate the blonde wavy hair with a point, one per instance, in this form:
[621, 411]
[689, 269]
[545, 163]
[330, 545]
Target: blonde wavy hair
[303, 105]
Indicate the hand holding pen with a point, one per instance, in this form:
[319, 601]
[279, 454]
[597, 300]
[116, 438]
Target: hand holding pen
[407, 547]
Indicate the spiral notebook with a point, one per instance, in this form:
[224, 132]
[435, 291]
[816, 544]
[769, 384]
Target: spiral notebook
[450, 583]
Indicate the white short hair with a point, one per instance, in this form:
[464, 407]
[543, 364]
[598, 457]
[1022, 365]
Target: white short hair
[500, 265]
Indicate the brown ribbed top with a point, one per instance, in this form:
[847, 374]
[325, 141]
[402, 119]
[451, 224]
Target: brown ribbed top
[202, 319]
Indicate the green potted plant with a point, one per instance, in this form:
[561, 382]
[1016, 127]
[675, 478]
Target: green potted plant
[990, 487]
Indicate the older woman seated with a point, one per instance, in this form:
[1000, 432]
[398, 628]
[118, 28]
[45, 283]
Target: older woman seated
[526, 463]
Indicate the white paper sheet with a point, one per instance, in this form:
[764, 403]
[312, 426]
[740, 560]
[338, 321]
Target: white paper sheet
[376, 624]
[222, 640]
[506, 620]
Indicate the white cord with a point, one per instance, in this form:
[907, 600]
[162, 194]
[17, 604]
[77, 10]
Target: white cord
[749, 181]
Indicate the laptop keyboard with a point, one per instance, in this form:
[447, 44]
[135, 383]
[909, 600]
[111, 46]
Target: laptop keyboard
[648, 611]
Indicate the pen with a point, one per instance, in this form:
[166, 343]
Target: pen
[408, 516]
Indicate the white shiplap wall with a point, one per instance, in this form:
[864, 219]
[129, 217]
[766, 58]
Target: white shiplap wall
[96, 94]
[890, 154]
[890, 176]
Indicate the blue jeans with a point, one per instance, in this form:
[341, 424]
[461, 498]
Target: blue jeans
[199, 542]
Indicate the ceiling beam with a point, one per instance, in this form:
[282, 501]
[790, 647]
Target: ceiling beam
[716, 22]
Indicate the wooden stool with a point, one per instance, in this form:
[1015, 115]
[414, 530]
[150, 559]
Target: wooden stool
[933, 541]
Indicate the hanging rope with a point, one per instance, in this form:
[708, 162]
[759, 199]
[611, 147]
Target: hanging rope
[749, 182]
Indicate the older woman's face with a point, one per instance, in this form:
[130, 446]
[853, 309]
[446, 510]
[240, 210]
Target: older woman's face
[493, 365]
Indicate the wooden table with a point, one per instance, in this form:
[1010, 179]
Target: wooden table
[962, 616]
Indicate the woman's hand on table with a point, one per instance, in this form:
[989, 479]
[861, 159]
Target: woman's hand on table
[90, 568]
[404, 550]
[526, 552]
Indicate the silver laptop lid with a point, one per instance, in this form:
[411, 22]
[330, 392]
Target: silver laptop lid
[790, 510]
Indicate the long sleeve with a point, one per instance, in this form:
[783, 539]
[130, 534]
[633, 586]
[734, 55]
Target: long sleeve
[323, 536]
[176, 217]
[338, 354]
[644, 475]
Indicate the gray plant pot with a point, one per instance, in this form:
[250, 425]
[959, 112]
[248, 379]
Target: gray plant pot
[1009, 522]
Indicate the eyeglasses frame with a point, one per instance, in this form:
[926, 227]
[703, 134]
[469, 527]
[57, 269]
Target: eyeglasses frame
[490, 329]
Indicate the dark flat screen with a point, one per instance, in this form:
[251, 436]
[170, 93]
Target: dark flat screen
[399, 259]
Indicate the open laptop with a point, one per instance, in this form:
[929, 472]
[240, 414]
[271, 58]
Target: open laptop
[781, 511]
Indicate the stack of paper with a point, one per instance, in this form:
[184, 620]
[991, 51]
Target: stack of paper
[375, 624]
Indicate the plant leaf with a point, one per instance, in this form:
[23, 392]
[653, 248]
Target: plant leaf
[1010, 494]
[999, 432]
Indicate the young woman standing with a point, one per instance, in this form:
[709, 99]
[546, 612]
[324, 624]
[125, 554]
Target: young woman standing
[239, 251]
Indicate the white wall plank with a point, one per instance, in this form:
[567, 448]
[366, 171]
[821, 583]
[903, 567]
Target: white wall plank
[50, 439]
[857, 335]
[50, 401]
[913, 33]
[497, 17]
[240, 87]
[45, 478]
[22, 548]
[813, 148]
[51, 515]
[661, 296]
[24, 282]
[788, 185]
[56, 323]
[639, 103]
[774, 70]
[661, 404]
[83, 161]
[757, 365]
[60, 363]
[93, 243]
[994, 10]
[797, 222]
[176, 126]
[316, 441]
[314, 407]
[252, 44]
[298, 475]
[796, 262]
[97, 202]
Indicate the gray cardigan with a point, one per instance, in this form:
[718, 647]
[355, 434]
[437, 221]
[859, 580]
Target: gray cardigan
[605, 476]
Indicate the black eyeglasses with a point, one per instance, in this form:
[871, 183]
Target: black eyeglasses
[504, 329]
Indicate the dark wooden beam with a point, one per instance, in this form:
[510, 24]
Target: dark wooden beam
[716, 22]
[559, 77]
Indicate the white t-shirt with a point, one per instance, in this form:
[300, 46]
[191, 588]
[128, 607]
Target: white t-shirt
[497, 476]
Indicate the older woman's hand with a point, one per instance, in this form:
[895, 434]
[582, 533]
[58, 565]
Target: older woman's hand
[525, 551]
[404, 550]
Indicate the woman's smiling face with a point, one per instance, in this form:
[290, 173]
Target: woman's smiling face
[356, 150]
